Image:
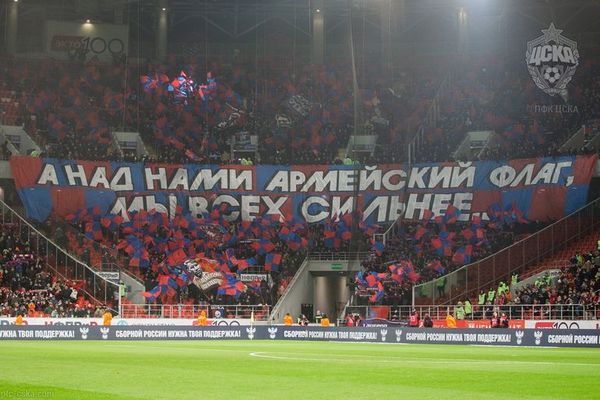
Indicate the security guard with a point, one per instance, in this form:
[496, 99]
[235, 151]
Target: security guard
[468, 309]
[491, 295]
[481, 301]
[459, 311]
[514, 279]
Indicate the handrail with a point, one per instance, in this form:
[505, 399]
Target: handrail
[111, 251]
[412, 148]
[259, 312]
[334, 256]
[11, 147]
[591, 224]
[429, 115]
[107, 283]
[384, 237]
[484, 312]
[281, 301]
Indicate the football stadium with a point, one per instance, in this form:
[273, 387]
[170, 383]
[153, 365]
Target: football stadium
[328, 199]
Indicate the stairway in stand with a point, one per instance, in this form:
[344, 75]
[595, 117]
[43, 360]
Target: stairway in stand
[561, 258]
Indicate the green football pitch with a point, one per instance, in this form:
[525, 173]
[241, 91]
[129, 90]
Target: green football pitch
[293, 370]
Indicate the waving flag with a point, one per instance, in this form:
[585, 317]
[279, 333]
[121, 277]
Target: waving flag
[272, 261]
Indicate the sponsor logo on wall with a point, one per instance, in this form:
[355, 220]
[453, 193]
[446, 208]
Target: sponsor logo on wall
[398, 335]
[272, 332]
[538, 337]
[84, 333]
[519, 335]
[85, 41]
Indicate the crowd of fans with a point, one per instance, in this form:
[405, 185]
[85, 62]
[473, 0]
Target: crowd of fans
[305, 117]
[572, 293]
[144, 244]
[428, 250]
[71, 109]
[28, 288]
[576, 288]
[489, 95]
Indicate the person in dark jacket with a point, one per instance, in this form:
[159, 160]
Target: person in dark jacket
[427, 322]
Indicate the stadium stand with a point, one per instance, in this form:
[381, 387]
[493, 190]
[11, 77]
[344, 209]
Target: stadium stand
[321, 126]
[71, 109]
[575, 289]
[192, 110]
[489, 95]
[419, 252]
[144, 245]
[29, 288]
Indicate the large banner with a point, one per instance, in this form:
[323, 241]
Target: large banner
[504, 337]
[537, 189]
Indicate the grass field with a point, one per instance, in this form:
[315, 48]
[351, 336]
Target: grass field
[292, 370]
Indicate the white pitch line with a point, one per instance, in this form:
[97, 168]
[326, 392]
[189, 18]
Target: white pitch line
[268, 355]
[187, 349]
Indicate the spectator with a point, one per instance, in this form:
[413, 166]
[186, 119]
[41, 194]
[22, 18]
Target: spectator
[202, 320]
[450, 320]
[427, 323]
[107, 318]
[288, 320]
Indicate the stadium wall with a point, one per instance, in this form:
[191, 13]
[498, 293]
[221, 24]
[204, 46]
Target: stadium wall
[500, 337]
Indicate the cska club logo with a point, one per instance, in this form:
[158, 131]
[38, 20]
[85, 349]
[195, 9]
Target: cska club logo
[552, 60]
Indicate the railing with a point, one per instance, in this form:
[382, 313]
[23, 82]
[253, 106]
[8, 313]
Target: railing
[261, 312]
[430, 120]
[276, 309]
[119, 260]
[334, 256]
[257, 269]
[9, 145]
[521, 311]
[392, 230]
[481, 275]
[62, 263]
[576, 141]
[115, 143]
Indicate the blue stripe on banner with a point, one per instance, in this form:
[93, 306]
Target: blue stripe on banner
[264, 174]
[37, 202]
[103, 199]
[522, 199]
[576, 198]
